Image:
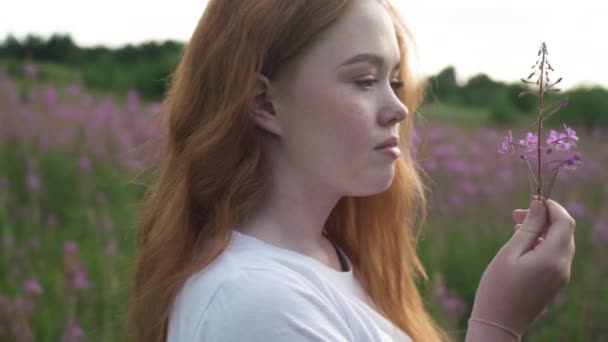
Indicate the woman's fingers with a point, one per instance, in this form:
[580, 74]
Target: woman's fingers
[560, 235]
[519, 215]
[540, 239]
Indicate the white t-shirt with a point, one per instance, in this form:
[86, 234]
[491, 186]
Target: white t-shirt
[256, 291]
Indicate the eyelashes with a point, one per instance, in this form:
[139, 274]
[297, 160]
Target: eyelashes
[365, 84]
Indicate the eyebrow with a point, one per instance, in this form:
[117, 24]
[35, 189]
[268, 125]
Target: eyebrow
[376, 60]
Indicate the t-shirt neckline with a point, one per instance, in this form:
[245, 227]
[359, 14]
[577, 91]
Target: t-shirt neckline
[301, 256]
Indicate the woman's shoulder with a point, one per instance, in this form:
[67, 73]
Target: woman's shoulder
[231, 275]
[256, 297]
[241, 280]
[243, 263]
[225, 271]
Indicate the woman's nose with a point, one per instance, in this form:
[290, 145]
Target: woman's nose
[393, 114]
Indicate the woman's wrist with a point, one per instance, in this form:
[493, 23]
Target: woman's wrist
[483, 330]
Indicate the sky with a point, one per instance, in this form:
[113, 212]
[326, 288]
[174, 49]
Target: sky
[498, 38]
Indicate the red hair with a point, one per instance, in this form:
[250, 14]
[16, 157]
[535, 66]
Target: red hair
[213, 169]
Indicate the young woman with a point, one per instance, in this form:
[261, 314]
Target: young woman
[287, 204]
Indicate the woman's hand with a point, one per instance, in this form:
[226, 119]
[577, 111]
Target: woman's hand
[529, 270]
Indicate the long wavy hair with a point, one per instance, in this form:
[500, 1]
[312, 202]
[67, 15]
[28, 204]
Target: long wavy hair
[213, 167]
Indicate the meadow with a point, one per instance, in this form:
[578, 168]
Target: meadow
[72, 175]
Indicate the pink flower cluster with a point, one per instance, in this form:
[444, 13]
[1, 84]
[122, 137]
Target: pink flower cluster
[558, 150]
[556, 141]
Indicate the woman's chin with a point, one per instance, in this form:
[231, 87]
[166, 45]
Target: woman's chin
[379, 185]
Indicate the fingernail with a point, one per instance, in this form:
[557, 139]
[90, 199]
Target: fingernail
[537, 207]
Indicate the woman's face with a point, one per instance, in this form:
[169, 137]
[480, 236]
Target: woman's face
[333, 113]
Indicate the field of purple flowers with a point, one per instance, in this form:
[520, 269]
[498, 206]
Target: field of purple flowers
[70, 164]
[473, 192]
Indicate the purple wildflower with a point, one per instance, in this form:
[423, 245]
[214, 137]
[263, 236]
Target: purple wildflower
[559, 140]
[562, 141]
[507, 144]
[32, 286]
[23, 334]
[530, 143]
[454, 305]
[70, 247]
[85, 165]
[73, 332]
[133, 104]
[441, 291]
[24, 305]
[51, 97]
[573, 162]
[450, 302]
[80, 281]
[570, 133]
[33, 182]
[576, 208]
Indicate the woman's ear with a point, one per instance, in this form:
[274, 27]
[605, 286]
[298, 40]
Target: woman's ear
[263, 112]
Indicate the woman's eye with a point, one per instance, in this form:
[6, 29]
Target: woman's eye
[368, 83]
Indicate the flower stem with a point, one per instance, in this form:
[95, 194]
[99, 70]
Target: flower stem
[552, 181]
[530, 169]
[540, 123]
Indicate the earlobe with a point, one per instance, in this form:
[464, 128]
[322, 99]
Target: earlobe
[263, 112]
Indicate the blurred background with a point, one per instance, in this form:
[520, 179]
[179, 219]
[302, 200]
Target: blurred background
[81, 81]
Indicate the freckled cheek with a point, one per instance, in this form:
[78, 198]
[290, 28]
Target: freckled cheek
[345, 120]
[352, 131]
[358, 134]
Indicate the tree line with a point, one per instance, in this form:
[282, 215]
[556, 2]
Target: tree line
[146, 67]
[586, 105]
